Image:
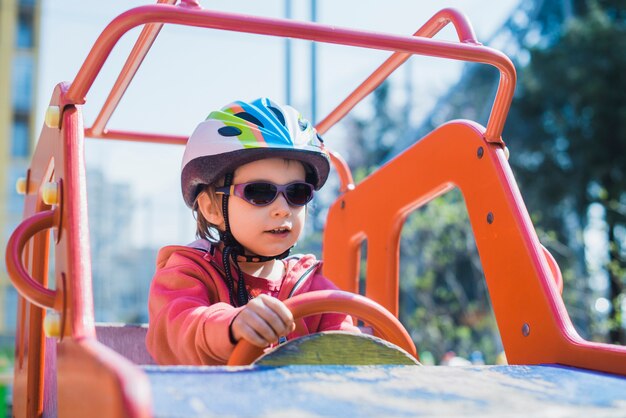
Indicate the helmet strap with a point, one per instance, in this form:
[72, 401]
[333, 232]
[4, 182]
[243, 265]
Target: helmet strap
[231, 248]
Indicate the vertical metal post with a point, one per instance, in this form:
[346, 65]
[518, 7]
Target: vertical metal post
[313, 67]
[287, 57]
[408, 88]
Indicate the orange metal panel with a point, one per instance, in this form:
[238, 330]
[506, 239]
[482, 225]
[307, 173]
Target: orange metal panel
[96, 381]
[530, 313]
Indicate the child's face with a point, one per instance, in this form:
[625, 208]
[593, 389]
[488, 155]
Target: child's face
[252, 225]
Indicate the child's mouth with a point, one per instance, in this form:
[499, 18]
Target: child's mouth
[279, 231]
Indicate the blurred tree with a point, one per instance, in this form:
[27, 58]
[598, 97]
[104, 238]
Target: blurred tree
[444, 299]
[579, 45]
[531, 24]
[372, 138]
[569, 129]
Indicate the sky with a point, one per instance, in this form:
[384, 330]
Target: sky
[190, 72]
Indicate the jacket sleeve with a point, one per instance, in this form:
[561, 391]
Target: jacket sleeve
[186, 325]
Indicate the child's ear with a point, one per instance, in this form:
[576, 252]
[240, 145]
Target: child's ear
[210, 210]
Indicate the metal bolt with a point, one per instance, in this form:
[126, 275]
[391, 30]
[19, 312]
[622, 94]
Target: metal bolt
[490, 218]
[21, 186]
[525, 330]
[52, 324]
[53, 117]
[480, 152]
[50, 193]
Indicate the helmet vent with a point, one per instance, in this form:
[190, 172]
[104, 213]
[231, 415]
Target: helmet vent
[250, 118]
[303, 124]
[229, 131]
[279, 114]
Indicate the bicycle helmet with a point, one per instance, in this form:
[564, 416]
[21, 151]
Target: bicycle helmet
[238, 134]
[243, 132]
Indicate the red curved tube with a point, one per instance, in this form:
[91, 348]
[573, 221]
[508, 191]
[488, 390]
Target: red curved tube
[466, 50]
[28, 287]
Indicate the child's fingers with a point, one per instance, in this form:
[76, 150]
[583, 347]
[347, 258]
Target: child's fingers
[250, 326]
[246, 332]
[273, 320]
[263, 321]
[268, 309]
[280, 310]
[259, 323]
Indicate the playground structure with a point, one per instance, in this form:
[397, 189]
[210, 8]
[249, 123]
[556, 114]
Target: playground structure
[67, 370]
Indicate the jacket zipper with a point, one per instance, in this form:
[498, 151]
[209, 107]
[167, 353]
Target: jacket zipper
[301, 279]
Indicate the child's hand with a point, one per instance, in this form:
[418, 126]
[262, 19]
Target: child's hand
[263, 321]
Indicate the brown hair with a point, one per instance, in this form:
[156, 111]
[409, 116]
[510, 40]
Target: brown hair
[204, 228]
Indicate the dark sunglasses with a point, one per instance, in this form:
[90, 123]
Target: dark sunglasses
[262, 193]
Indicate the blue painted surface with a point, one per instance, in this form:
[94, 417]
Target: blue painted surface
[580, 387]
[492, 391]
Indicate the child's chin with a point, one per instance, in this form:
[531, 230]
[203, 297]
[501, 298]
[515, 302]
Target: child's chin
[274, 251]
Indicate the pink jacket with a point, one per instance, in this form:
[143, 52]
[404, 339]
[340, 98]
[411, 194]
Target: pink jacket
[190, 311]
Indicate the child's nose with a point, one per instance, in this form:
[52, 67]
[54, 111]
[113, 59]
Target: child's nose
[280, 207]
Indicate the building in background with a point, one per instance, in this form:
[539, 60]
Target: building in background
[19, 45]
[121, 272]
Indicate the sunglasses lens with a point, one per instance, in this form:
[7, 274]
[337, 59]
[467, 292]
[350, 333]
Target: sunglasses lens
[299, 194]
[260, 193]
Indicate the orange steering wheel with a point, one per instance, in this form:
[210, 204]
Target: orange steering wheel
[324, 301]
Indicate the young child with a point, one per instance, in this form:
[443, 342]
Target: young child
[248, 172]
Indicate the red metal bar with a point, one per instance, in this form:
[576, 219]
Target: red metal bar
[138, 137]
[133, 62]
[299, 30]
[346, 182]
[377, 316]
[441, 19]
[28, 287]
[73, 256]
[429, 29]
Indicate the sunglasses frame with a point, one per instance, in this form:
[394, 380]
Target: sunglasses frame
[239, 191]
